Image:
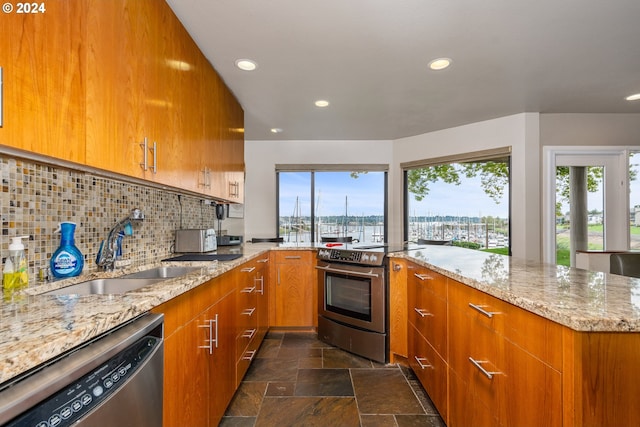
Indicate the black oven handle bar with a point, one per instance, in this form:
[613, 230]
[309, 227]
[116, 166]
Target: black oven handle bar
[350, 272]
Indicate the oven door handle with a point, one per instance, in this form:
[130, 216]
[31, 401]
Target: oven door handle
[352, 273]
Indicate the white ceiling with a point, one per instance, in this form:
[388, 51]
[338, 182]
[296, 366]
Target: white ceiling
[369, 59]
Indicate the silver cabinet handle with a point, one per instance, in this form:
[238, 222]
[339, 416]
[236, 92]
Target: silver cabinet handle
[248, 311]
[292, 257]
[248, 290]
[422, 312]
[248, 355]
[263, 260]
[419, 360]
[478, 364]
[423, 276]
[154, 168]
[261, 280]
[206, 178]
[145, 164]
[249, 333]
[248, 269]
[481, 309]
[213, 334]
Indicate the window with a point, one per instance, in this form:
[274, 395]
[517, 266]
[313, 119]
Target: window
[316, 204]
[462, 201]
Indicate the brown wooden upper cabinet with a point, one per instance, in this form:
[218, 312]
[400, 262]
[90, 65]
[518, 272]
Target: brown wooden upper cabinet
[120, 85]
[43, 58]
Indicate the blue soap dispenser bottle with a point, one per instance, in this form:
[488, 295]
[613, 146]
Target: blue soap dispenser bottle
[67, 260]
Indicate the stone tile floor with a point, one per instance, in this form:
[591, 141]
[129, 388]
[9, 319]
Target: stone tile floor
[297, 380]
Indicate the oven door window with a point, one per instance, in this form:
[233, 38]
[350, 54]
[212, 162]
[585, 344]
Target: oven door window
[348, 296]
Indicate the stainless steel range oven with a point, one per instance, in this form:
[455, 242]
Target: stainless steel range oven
[352, 300]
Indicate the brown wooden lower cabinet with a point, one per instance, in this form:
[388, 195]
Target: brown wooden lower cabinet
[293, 289]
[199, 354]
[505, 366]
[212, 334]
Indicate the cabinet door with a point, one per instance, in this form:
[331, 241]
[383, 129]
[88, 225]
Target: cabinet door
[43, 60]
[186, 379]
[122, 84]
[222, 378]
[294, 290]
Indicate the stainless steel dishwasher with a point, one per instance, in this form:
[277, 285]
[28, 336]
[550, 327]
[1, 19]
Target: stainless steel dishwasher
[114, 380]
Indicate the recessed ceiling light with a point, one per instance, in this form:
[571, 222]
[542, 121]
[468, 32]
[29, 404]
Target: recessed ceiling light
[634, 97]
[246, 64]
[276, 130]
[322, 103]
[439, 64]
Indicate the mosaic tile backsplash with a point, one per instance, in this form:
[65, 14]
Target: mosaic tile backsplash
[35, 198]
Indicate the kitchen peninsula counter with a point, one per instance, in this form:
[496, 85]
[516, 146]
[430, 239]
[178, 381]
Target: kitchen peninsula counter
[38, 328]
[582, 300]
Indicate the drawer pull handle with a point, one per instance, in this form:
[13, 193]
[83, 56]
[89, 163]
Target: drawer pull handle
[422, 312]
[263, 260]
[419, 360]
[478, 364]
[292, 257]
[249, 333]
[248, 355]
[248, 311]
[481, 309]
[248, 290]
[423, 276]
[248, 269]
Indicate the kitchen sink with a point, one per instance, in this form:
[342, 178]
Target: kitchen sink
[164, 272]
[104, 286]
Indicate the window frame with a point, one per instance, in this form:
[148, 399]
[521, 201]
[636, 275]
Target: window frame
[312, 169]
[501, 153]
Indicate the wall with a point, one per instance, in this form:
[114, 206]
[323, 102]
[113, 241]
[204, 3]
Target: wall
[261, 158]
[520, 132]
[590, 129]
[36, 197]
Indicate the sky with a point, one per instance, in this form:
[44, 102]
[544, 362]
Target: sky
[365, 196]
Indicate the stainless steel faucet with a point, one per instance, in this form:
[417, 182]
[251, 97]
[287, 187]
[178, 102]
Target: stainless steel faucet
[108, 248]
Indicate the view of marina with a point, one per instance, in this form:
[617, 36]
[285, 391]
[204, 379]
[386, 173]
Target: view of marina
[350, 206]
[477, 233]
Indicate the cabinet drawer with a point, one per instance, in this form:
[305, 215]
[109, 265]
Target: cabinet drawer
[294, 257]
[538, 336]
[428, 313]
[519, 388]
[465, 409]
[530, 391]
[430, 369]
[245, 358]
[474, 347]
[428, 279]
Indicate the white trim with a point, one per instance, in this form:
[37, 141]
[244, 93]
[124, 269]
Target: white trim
[616, 195]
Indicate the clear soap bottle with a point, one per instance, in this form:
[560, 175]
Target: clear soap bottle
[14, 275]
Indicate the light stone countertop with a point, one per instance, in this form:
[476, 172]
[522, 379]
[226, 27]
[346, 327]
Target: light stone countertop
[582, 300]
[39, 328]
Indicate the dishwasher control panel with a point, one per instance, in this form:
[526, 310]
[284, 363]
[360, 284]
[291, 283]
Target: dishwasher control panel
[67, 406]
